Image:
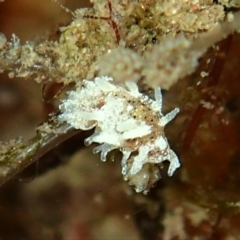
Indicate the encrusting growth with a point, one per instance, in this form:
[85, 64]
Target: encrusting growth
[127, 120]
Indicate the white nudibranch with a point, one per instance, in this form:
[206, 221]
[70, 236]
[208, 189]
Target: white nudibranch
[127, 120]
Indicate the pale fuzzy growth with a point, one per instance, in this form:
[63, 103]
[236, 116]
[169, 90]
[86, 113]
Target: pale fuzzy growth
[126, 120]
[122, 64]
[173, 59]
[163, 66]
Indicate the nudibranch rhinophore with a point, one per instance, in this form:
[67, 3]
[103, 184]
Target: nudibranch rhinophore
[127, 120]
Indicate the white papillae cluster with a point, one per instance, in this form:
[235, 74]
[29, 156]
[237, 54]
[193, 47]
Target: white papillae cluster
[127, 120]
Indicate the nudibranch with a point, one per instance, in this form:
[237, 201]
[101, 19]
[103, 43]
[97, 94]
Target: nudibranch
[127, 120]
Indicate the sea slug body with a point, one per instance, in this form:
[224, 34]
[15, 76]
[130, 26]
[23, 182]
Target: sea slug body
[127, 120]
